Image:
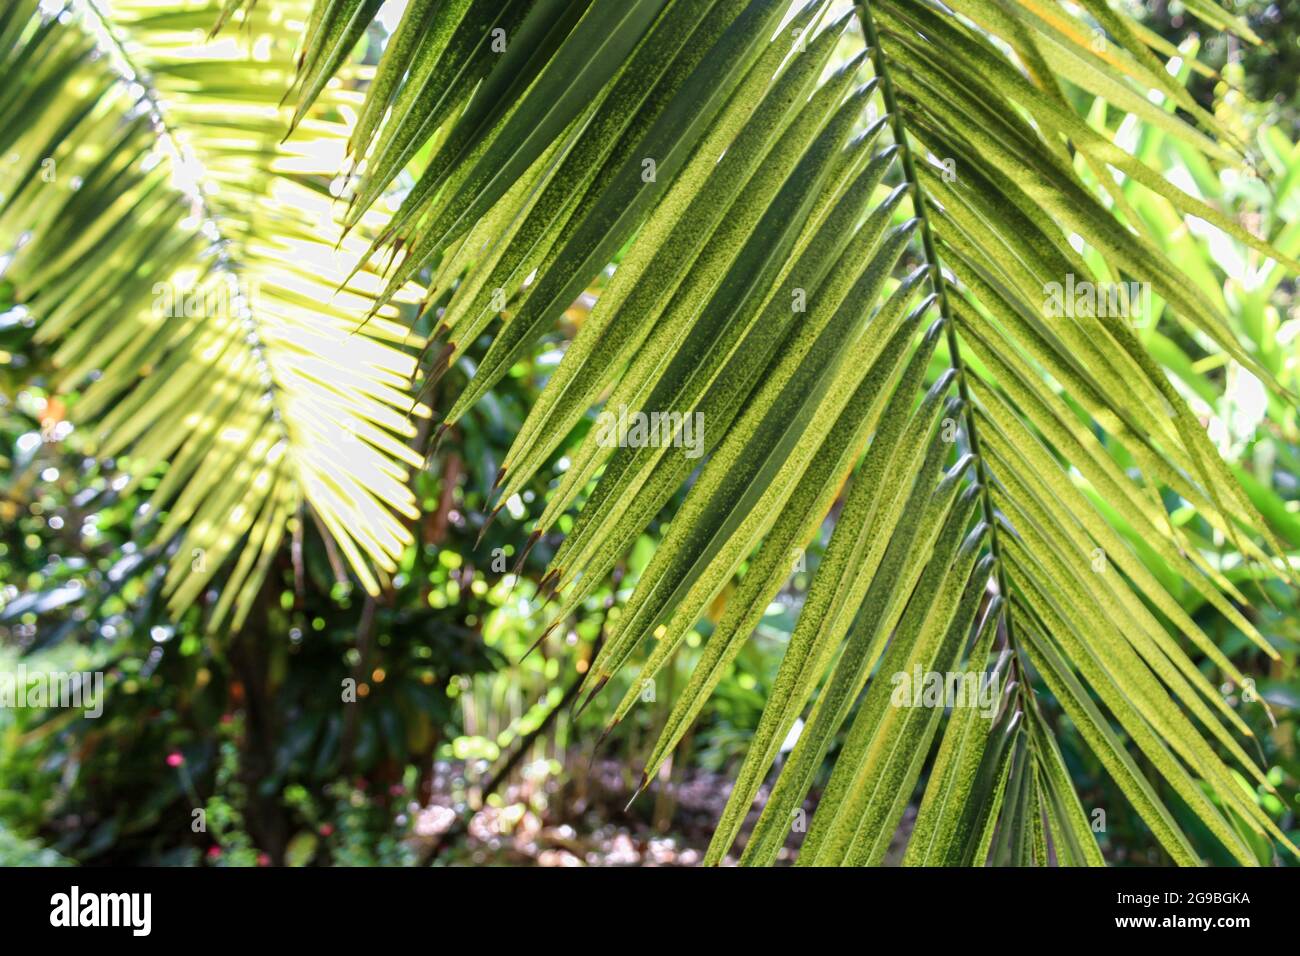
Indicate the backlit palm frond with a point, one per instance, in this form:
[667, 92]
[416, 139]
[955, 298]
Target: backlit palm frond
[183, 264]
[885, 269]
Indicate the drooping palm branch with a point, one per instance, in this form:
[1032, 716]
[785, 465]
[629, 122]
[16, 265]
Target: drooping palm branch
[798, 251]
[185, 265]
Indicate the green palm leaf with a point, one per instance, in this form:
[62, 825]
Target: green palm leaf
[184, 265]
[697, 319]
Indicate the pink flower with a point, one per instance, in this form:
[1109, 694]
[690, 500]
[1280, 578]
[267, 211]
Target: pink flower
[326, 829]
[214, 852]
[174, 759]
[263, 860]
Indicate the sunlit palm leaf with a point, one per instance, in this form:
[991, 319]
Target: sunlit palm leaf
[768, 203]
[184, 266]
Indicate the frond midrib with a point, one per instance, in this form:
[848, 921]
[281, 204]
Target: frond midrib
[899, 129]
[210, 225]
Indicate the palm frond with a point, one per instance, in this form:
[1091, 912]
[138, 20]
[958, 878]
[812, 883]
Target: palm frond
[184, 267]
[986, 526]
